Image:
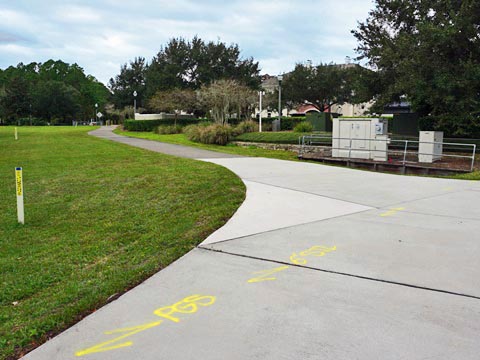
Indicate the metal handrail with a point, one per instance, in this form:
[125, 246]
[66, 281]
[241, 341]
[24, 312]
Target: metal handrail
[306, 140]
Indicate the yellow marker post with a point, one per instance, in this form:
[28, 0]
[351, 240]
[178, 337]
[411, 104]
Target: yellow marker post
[16, 133]
[19, 186]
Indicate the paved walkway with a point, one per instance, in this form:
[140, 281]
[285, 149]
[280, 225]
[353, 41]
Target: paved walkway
[105, 132]
[319, 262]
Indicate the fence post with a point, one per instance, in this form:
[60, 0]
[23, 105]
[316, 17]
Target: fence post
[405, 152]
[473, 156]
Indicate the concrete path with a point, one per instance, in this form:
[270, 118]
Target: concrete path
[105, 132]
[319, 262]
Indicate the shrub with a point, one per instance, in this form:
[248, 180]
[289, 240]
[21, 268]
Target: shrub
[267, 126]
[34, 121]
[246, 126]
[168, 129]
[217, 134]
[209, 134]
[303, 127]
[467, 126]
[192, 132]
[287, 122]
[149, 125]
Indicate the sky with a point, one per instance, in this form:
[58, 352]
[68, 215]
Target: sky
[102, 35]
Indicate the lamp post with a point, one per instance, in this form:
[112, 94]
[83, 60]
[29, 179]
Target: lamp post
[260, 93]
[134, 103]
[96, 112]
[280, 78]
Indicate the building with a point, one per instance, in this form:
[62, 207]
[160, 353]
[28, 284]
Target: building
[270, 85]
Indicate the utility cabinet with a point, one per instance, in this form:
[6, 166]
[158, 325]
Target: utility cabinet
[360, 138]
[430, 147]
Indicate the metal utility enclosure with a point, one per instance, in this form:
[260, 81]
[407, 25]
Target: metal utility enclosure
[430, 146]
[360, 138]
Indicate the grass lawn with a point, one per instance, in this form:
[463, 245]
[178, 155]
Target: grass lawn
[283, 137]
[181, 139]
[100, 218]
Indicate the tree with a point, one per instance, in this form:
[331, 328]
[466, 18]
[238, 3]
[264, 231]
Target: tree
[16, 101]
[224, 97]
[323, 85]
[55, 101]
[183, 64]
[130, 79]
[19, 88]
[175, 101]
[425, 51]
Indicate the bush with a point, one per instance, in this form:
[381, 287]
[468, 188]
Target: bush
[114, 117]
[168, 129]
[287, 122]
[34, 121]
[466, 126]
[209, 134]
[150, 125]
[303, 127]
[246, 126]
[267, 127]
[192, 132]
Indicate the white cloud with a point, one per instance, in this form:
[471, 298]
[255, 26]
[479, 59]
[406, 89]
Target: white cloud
[102, 35]
[77, 14]
[16, 50]
[13, 18]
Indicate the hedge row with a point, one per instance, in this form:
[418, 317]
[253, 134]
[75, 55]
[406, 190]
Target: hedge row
[150, 125]
[453, 126]
[33, 121]
[286, 123]
[270, 137]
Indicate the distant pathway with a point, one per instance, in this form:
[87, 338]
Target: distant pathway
[105, 132]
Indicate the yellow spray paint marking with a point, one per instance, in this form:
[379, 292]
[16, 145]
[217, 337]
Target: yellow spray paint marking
[109, 345]
[266, 273]
[189, 305]
[317, 250]
[392, 211]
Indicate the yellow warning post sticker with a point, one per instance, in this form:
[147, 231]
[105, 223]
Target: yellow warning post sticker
[19, 182]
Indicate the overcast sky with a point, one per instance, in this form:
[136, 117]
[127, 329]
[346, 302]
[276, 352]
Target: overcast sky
[102, 35]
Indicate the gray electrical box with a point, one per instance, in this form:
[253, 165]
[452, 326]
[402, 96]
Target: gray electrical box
[360, 138]
[430, 147]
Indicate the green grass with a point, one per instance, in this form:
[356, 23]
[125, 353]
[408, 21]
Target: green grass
[284, 137]
[475, 175]
[100, 218]
[181, 139]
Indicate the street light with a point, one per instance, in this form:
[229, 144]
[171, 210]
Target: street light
[280, 78]
[134, 103]
[260, 93]
[96, 112]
